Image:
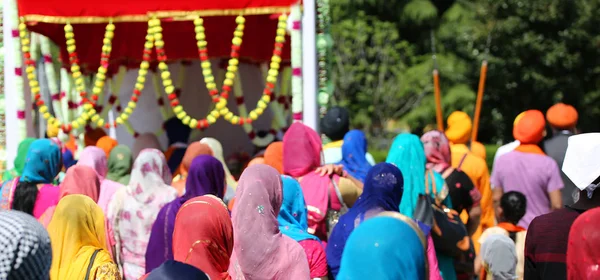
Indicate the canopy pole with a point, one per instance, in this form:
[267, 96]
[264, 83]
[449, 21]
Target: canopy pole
[436, 88]
[309, 65]
[480, 90]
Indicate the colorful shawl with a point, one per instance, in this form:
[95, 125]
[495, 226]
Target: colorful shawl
[206, 176]
[293, 217]
[260, 251]
[437, 150]
[354, 150]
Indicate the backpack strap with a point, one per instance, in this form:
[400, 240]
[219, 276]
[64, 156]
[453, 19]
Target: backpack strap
[89, 268]
[462, 160]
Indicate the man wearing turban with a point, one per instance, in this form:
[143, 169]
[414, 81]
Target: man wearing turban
[562, 119]
[528, 170]
[472, 162]
[335, 124]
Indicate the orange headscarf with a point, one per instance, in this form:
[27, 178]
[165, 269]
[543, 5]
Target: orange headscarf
[203, 236]
[193, 150]
[107, 144]
[562, 116]
[92, 136]
[529, 129]
[274, 156]
[459, 132]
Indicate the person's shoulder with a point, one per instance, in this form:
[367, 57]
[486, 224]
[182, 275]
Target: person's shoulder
[552, 218]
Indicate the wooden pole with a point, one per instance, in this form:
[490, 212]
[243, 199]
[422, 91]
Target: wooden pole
[438, 100]
[480, 90]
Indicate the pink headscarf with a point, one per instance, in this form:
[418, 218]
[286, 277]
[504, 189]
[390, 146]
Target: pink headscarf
[437, 150]
[78, 180]
[95, 158]
[260, 251]
[301, 156]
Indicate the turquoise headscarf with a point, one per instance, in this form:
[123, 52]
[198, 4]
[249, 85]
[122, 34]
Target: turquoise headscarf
[293, 216]
[43, 162]
[385, 247]
[408, 155]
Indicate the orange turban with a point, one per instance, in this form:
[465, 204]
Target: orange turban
[459, 128]
[529, 127]
[92, 136]
[562, 116]
[106, 144]
[274, 156]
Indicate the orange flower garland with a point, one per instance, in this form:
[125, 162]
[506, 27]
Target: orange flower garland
[271, 79]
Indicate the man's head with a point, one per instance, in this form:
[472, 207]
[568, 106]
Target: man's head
[336, 123]
[562, 117]
[177, 131]
[529, 127]
[512, 207]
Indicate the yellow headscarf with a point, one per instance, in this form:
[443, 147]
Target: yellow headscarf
[76, 232]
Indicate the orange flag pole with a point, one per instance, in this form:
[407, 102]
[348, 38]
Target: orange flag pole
[480, 90]
[438, 100]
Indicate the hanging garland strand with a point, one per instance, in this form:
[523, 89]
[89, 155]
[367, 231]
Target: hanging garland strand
[324, 43]
[296, 37]
[270, 83]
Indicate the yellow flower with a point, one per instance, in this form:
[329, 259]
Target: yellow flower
[193, 123]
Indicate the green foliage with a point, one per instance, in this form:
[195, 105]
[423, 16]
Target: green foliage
[541, 52]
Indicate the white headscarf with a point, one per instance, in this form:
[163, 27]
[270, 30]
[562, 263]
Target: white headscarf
[499, 254]
[25, 251]
[581, 162]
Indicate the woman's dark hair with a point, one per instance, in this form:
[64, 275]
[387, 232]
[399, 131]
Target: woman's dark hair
[24, 197]
[514, 205]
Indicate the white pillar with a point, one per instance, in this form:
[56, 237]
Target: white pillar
[309, 65]
[10, 94]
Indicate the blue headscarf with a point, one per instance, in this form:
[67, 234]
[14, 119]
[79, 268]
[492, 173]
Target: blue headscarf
[177, 270]
[68, 159]
[293, 216]
[43, 162]
[382, 192]
[354, 152]
[408, 154]
[385, 247]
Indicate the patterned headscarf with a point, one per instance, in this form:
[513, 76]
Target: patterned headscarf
[25, 250]
[437, 150]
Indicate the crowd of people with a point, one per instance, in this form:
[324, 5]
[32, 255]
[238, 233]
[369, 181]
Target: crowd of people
[304, 210]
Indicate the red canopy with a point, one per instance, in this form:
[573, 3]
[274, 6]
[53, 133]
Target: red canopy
[89, 19]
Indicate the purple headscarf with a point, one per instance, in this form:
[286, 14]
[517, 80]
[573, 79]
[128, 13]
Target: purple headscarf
[205, 176]
[383, 190]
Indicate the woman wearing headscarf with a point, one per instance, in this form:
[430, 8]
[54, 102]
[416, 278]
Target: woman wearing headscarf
[19, 162]
[274, 156]
[195, 149]
[119, 165]
[178, 135]
[25, 250]
[78, 241]
[582, 252]
[354, 150]
[206, 176]
[293, 222]
[383, 190]
[217, 152]
[174, 270]
[78, 180]
[203, 236]
[133, 209]
[106, 143]
[33, 191]
[95, 158]
[145, 141]
[499, 257]
[389, 246]
[92, 135]
[327, 196]
[262, 251]
[68, 160]
[463, 194]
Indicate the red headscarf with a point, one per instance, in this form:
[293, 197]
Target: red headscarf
[203, 236]
[583, 255]
[529, 128]
[274, 156]
[562, 116]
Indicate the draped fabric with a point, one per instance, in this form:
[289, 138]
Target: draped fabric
[133, 209]
[19, 162]
[195, 149]
[205, 176]
[437, 150]
[76, 232]
[95, 158]
[293, 217]
[119, 165]
[582, 253]
[203, 236]
[354, 151]
[499, 257]
[274, 156]
[383, 189]
[43, 162]
[217, 152]
[262, 251]
[174, 270]
[389, 246]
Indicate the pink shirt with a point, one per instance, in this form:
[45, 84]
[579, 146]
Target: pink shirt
[533, 175]
[48, 196]
[315, 253]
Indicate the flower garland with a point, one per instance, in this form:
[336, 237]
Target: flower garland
[323, 47]
[50, 71]
[221, 101]
[254, 137]
[19, 81]
[270, 83]
[296, 36]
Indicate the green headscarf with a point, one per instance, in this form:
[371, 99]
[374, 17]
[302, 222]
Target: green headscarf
[19, 162]
[119, 164]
